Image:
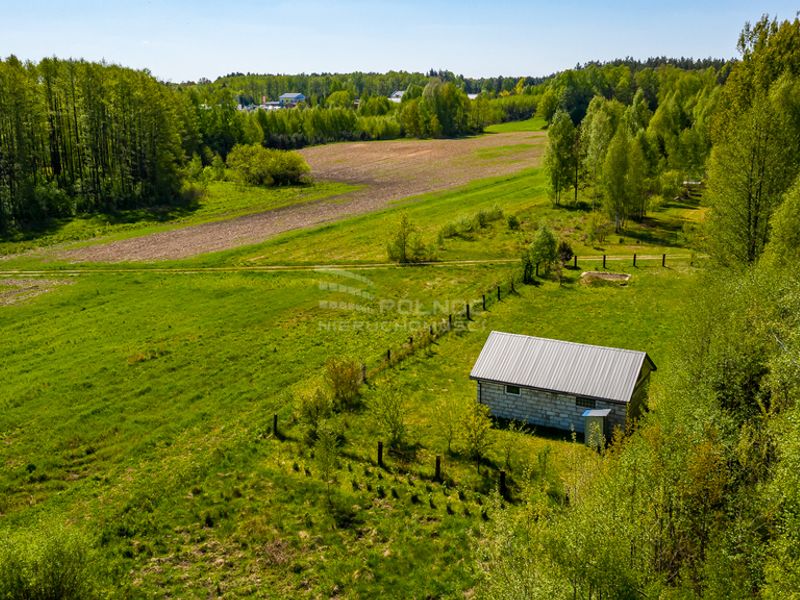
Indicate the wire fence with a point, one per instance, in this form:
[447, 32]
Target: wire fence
[460, 320]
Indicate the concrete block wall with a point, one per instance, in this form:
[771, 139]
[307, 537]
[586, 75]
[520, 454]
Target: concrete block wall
[542, 408]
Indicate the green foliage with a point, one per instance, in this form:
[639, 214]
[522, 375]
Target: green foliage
[314, 408]
[548, 105]
[257, 165]
[513, 222]
[560, 159]
[784, 242]
[464, 227]
[407, 246]
[442, 110]
[340, 99]
[751, 166]
[87, 138]
[390, 411]
[343, 377]
[326, 455]
[564, 252]
[49, 563]
[597, 228]
[543, 249]
[476, 428]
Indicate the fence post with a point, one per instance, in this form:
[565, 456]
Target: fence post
[512, 284]
[389, 355]
[498, 293]
[380, 454]
[450, 321]
[431, 330]
[438, 475]
[663, 260]
[483, 297]
[411, 340]
[604, 261]
[468, 317]
[275, 425]
[575, 261]
[634, 259]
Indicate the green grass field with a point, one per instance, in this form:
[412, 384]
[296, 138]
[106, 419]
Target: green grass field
[137, 406]
[223, 200]
[532, 124]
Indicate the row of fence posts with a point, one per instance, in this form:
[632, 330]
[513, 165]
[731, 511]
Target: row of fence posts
[437, 473]
[431, 331]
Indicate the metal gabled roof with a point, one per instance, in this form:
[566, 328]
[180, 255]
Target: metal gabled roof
[555, 365]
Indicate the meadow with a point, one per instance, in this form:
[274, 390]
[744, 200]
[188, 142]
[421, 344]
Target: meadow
[137, 404]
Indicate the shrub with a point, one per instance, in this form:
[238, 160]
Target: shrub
[407, 246]
[513, 222]
[314, 408]
[343, 377]
[477, 428]
[51, 562]
[597, 228]
[390, 410]
[543, 248]
[256, 165]
[564, 252]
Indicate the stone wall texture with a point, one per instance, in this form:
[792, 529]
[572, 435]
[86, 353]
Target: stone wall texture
[546, 409]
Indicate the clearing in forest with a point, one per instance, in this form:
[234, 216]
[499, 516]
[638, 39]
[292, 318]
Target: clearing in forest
[387, 170]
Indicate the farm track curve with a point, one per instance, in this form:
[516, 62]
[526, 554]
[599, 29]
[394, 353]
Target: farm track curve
[389, 171]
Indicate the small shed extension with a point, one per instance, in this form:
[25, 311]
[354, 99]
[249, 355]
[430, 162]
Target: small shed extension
[552, 383]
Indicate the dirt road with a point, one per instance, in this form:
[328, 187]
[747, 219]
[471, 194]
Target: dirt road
[389, 170]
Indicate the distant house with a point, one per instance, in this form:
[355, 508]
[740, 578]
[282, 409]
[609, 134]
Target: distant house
[561, 385]
[291, 99]
[397, 96]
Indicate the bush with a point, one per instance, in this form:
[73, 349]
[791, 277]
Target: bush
[343, 377]
[407, 246]
[256, 165]
[49, 563]
[379, 127]
[597, 228]
[477, 428]
[314, 407]
[464, 227]
[390, 410]
[564, 252]
[543, 248]
[513, 222]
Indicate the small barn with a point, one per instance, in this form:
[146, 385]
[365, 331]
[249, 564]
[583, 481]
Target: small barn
[561, 385]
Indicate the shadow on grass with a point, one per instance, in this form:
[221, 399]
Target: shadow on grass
[548, 433]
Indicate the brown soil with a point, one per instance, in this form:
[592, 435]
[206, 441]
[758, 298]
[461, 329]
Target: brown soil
[390, 171]
[19, 290]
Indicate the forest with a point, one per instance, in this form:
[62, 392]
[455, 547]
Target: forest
[79, 137]
[701, 500]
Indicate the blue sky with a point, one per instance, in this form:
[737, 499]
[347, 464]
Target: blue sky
[184, 40]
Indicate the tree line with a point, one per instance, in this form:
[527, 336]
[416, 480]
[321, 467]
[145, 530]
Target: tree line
[702, 498]
[83, 137]
[628, 141]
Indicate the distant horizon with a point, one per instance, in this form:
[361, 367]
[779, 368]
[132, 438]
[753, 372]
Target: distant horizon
[390, 70]
[180, 41]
